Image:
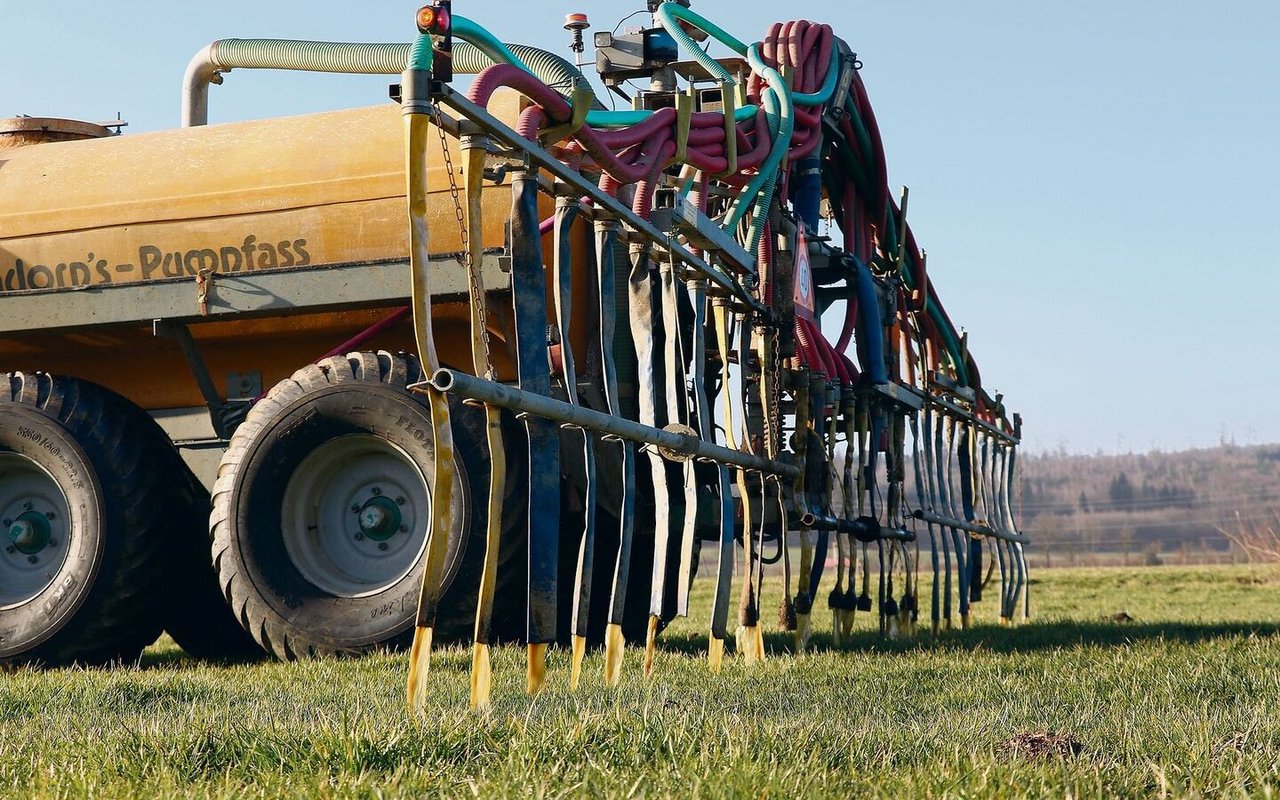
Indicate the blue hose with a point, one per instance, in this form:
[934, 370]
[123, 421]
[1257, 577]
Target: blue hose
[870, 329]
[808, 191]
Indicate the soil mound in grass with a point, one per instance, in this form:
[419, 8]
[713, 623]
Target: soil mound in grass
[1041, 744]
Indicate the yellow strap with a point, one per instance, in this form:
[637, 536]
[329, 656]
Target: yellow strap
[579, 651]
[416, 130]
[729, 100]
[684, 118]
[474, 155]
[720, 312]
[582, 100]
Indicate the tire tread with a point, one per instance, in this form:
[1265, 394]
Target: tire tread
[119, 616]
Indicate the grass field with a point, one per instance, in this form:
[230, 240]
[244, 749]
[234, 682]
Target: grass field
[1184, 699]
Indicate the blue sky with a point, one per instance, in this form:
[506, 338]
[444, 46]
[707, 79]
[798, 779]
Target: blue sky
[1097, 183]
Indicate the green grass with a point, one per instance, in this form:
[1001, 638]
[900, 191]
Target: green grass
[1183, 700]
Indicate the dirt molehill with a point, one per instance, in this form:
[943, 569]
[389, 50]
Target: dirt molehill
[1041, 744]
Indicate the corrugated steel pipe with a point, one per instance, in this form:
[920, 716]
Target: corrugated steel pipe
[356, 58]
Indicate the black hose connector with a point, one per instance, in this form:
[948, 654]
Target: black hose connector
[842, 600]
[804, 603]
[865, 529]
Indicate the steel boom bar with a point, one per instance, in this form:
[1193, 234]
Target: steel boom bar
[971, 527]
[469, 386]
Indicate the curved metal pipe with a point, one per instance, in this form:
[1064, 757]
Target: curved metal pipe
[352, 58]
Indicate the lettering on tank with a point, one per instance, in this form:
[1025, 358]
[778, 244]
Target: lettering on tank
[152, 262]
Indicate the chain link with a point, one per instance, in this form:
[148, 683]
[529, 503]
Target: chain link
[771, 372]
[773, 428]
[473, 270]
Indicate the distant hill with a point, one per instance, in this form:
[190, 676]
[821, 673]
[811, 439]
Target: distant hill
[1145, 508]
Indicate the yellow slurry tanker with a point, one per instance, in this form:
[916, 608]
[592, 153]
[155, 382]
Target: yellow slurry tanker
[494, 363]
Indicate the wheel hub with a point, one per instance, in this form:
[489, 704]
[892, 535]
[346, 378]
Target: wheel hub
[354, 515]
[380, 518]
[30, 533]
[34, 529]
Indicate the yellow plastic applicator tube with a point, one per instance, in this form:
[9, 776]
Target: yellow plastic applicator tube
[474, 152]
[415, 80]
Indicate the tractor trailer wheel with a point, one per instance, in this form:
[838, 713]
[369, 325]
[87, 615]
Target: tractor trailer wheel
[322, 504]
[83, 497]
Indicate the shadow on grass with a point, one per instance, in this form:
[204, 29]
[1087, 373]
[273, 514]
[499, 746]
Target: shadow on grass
[1029, 637]
[166, 659]
[1026, 638]
[176, 658]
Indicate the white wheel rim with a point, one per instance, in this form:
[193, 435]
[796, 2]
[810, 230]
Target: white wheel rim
[35, 535]
[355, 515]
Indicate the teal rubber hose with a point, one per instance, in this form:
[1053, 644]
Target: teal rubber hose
[421, 54]
[776, 93]
[469, 31]
[859, 127]
[949, 340]
[828, 86]
[622, 119]
[765, 197]
[667, 16]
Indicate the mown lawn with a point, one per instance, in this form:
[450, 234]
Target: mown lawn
[1183, 699]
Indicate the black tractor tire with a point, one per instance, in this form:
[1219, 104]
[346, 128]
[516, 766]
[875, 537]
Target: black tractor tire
[91, 463]
[296, 593]
[197, 615]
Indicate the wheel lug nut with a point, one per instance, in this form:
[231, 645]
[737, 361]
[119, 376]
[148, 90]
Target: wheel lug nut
[10, 549]
[404, 528]
[32, 559]
[26, 506]
[399, 501]
[359, 537]
[376, 491]
[50, 515]
[8, 522]
[355, 508]
[53, 542]
[382, 545]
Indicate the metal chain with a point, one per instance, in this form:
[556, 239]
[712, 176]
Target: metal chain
[772, 371]
[773, 428]
[473, 277]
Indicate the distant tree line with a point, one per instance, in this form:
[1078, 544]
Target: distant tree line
[1120, 495]
[1146, 504]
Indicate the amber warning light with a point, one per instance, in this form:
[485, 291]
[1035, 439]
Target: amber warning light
[576, 24]
[433, 19]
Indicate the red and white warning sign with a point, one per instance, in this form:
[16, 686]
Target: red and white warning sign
[802, 292]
